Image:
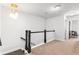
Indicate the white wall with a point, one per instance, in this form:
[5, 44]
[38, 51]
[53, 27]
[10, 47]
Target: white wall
[57, 23]
[13, 29]
[0, 26]
[0, 21]
[75, 25]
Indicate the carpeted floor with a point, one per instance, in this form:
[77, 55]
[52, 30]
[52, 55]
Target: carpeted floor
[68, 47]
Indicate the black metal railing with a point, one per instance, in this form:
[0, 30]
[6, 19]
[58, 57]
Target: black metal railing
[28, 38]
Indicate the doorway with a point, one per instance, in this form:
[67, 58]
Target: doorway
[72, 27]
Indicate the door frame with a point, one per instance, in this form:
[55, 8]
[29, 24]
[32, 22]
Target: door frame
[68, 22]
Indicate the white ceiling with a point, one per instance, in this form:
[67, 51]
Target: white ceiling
[43, 9]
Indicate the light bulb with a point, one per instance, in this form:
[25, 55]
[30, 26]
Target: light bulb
[14, 15]
[52, 9]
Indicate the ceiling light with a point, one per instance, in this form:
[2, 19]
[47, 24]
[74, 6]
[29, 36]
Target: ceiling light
[13, 11]
[13, 6]
[14, 15]
[55, 8]
[52, 8]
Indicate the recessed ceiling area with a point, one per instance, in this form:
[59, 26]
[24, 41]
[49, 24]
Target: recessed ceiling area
[46, 10]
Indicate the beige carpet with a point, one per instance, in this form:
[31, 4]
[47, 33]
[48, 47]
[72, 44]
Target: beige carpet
[68, 47]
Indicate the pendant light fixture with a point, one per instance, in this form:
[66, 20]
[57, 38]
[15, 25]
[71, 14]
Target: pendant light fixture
[13, 11]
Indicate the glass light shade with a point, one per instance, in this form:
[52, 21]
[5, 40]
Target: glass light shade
[14, 15]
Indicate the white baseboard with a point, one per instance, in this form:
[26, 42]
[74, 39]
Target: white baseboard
[11, 50]
[8, 51]
[42, 43]
[37, 45]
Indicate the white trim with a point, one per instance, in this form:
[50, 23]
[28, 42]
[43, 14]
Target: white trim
[38, 45]
[26, 50]
[55, 39]
[41, 44]
[8, 51]
[44, 43]
[50, 40]
[13, 50]
[63, 40]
